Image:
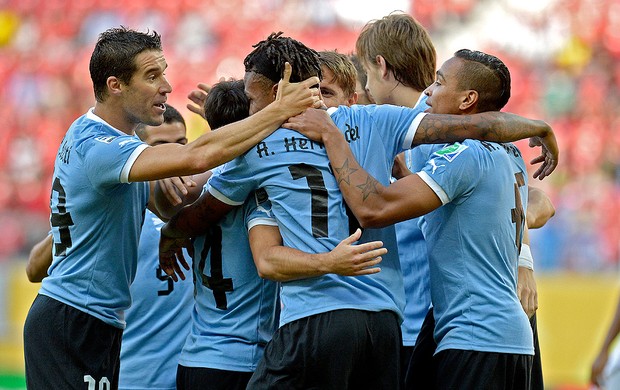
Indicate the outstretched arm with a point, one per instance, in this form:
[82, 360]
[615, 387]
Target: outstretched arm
[215, 148]
[280, 263]
[492, 126]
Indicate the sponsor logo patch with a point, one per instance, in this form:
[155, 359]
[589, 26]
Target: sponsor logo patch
[452, 151]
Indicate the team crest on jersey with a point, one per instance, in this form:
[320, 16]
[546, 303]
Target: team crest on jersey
[452, 151]
[105, 140]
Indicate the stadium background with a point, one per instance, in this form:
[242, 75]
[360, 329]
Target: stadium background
[563, 57]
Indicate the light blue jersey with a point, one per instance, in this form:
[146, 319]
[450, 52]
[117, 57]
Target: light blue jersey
[158, 321]
[235, 311]
[96, 219]
[473, 245]
[310, 211]
[414, 256]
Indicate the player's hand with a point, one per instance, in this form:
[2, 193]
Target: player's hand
[527, 292]
[198, 98]
[312, 123]
[175, 188]
[349, 259]
[400, 169]
[549, 153]
[171, 254]
[598, 366]
[294, 98]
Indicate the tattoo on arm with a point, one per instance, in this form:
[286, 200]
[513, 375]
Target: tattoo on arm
[370, 187]
[344, 173]
[489, 126]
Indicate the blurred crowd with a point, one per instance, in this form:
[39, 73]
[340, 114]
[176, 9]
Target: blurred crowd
[564, 57]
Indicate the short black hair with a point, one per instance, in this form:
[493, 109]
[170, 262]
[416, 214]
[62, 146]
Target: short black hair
[172, 115]
[115, 53]
[486, 74]
[269, 56]
[226, 103]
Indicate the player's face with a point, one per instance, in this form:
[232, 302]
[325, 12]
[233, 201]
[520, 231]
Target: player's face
[375, 84]
[166, 133]
[444, 96]
[363, 95]
[259, 94]
[333, 94]
[145, 94]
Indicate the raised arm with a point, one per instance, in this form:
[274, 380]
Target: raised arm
[215, 148]
[276, 262]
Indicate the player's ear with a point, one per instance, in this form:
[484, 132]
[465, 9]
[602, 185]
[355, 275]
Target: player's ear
[274, 91]
[469, 100]
[114, 85]
[382, 64]
[352, 99]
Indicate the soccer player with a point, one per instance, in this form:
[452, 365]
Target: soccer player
[235, 310]
[339, 78]
[401, 60]
[357, 316]
[98, 204]
[483, 335]
[404, 53]
[158, 320]
[364, 96]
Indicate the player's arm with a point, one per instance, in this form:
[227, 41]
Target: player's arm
[277, 262]
[492, 126]
[168, 197]
[192, 220]
[40, 259]
[440, 128]
[217, 147]
[539, 208]
[603, 355]
[526, 283]
[373, 204]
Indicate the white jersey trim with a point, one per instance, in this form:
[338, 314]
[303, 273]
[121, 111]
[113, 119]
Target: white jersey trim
[412, 130]
[130, 161]
[223, 198]
[93, 117]
[434, 186]
[261, 221]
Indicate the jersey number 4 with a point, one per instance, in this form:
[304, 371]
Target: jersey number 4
[61, 219]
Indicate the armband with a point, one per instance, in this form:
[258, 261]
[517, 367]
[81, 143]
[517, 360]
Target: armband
[525, 257]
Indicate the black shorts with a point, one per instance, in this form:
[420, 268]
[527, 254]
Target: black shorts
[419, 373]
[65, 348]
[202, 378]
[340, 349]
[473, 370]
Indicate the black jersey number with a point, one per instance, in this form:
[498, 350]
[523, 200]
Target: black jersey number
[216, 282]
[518, 215]
[164, 277]
[61, 219]
[318, 202]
